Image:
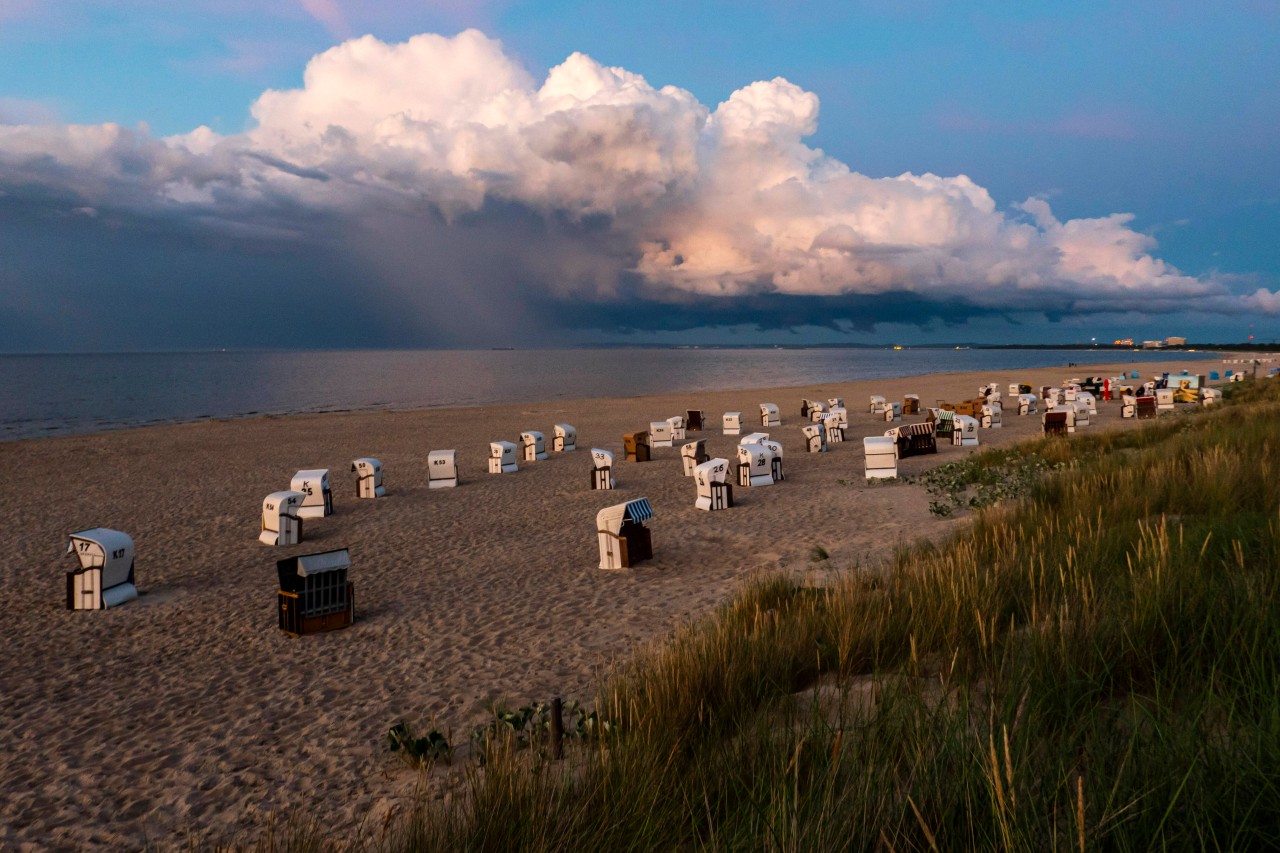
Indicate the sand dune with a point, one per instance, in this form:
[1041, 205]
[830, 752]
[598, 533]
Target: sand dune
[188, 711]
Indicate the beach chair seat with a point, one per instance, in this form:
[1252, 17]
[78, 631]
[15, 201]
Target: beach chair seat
[694, 420]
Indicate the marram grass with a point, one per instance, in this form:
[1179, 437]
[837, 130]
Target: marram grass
[1096, 666]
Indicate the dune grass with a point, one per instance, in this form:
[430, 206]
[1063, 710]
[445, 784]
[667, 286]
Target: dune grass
[1094, 666]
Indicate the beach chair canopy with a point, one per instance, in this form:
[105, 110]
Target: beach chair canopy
[567, 432]
[601, 458]
[505, 450]
[712, 471]
[109, 550]
[294, 570]
[612, 518]
[754, 438]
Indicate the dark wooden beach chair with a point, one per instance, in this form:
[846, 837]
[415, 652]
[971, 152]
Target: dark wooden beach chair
[637, 446]
[914, 439]
[1055, 423]
[1147, 407]
[693, 420]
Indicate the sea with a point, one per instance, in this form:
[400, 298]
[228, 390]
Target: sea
[63, 394]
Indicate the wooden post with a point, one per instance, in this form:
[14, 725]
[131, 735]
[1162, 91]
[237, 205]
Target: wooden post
[557, 729]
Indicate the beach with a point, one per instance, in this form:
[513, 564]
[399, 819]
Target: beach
[189, 714]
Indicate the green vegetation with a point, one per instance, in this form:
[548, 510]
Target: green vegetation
[1094, 663]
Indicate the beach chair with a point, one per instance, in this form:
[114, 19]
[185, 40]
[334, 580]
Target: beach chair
[754, 438]
[755, 465]
[502, 457]
[833, 428]
[602, 469]
[677, 427]
[624, 540]
[877, 405]
[368, 473]
[1146, 406]
[775, 465]
[1128, 406]
[636, 445]
[815, 439]
[442, 469]
[1210, 396]
[532, 446]
[769, 416]
[732, 423]
[660, 434]
[280, 522]
[943, 422]
[694, 420]
[816, 411]
[1090, 400]
[692, 455]
[835, 403]
[880, 456]
[564, 438]
[1056, 421]
[1027, 404]
[1164, 399]
[714, 492]
[104, 577]
[892, 412]
[914, 439]
[970, 408]
[1213, 376]
[314, 483]
[911, 404]
[965, 431]
[1082, 413]
[992, 414]
[315, 593]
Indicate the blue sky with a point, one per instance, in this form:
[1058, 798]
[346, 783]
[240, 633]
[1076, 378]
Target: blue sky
[1165, 111]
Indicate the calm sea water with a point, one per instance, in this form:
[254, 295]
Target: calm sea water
[59, 394]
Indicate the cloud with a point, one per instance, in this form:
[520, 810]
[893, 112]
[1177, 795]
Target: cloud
[452, 177]
[330, 14]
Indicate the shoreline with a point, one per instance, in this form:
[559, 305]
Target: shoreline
[184, 710]
[144, 422]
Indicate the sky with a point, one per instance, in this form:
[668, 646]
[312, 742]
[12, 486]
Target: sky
[354, 173]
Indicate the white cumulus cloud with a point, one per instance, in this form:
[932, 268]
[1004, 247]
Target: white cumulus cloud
[592, 182]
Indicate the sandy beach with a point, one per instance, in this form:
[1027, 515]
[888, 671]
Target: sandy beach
[188, 714]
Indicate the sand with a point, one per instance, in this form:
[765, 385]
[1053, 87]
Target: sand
[187, 714]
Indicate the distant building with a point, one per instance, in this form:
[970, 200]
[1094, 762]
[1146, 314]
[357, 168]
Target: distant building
[1175, 342]
[1124, 342]
[1152, 344]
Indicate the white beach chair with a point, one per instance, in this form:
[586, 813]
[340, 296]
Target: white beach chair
[714, 492]
[281, 524]
[314, 483]
[368, 473]
[564, 438]
[532, 446]
[881, 456]
[769, 416]
[602, 469]
[104, 577]
[502, 457]
[442, 469]
[624, 540]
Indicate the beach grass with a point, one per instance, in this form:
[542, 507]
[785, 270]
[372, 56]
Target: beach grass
[1092, 663]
